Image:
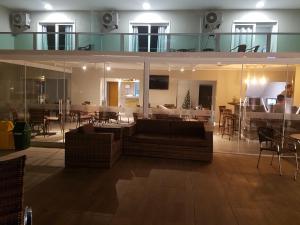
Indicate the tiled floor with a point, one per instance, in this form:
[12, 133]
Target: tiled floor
[144, 191]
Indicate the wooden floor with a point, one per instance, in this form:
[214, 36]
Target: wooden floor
[145, 191]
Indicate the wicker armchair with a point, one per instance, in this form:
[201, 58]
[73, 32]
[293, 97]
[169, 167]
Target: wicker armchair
[93, 147]
[11, 193]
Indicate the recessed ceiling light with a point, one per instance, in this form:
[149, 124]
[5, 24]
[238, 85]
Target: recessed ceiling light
[146, 6]
[260, 4]
[193, 70]
[182, 70]
[84, 68]
[108, 68]
[47, 6]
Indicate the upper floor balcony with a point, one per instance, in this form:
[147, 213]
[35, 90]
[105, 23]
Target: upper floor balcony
[149, 42]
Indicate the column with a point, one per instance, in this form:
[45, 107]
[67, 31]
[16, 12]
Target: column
[146, 89]
[297, 87]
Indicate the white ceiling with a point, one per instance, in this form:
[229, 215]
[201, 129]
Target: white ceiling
[155, 4]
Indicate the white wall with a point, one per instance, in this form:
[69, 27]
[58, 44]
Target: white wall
[288, 20]
[180, 21]
[4, 19]
[85, 86]
[84, 20]
[89, 85]
[161, 97]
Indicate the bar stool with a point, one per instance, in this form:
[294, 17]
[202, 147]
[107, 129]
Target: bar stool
[221, 110]
[228, 125]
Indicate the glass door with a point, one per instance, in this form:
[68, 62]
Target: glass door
[46, 89]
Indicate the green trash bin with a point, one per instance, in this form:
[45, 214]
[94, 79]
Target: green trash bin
[22, 135]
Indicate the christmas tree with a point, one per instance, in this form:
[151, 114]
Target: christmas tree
[187, 101]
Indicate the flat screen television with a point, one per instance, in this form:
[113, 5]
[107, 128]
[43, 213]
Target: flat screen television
[271, 101]
[159, 82]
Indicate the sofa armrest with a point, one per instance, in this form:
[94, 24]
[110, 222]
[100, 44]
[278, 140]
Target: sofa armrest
[209, 132]
[88, 138]
[118, 132]
[129, 131]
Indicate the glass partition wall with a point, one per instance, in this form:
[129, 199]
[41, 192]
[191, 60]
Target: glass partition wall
[47, 94]
[55, 97]
[123, 90]
[12, 91]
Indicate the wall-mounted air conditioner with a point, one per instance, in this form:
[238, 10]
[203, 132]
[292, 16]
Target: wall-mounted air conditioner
[20, 20]
[212, 20]
[110, 20]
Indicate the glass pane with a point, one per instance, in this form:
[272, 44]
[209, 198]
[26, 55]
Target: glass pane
[228, 104]
[7, 41]
[89, 42]
[225, 41]
[122, 90]
[12, 92]
[66, 39]
[262, 104]
[290, 93]
[187, 43]
[85, 96]
[24, 41]
[111, 43]
[288, 42]
[46, 94]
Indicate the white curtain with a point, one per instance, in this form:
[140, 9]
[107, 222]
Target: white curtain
[69, 38]
[44, 38]
[134, 40]
[162, 40]
[246, 36]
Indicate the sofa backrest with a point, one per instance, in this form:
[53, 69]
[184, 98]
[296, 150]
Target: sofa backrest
[187, 128]
[150, 126]
[86, 129]
[171, 127]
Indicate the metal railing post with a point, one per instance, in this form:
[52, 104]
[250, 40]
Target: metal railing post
[122, 48]
[76, 41]
[268, 45]
[34, 41]
[217, 39]
[168, 42]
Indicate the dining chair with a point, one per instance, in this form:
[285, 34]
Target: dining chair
[240, 48]
[37, 117]
[253, 49]
[273, 141]
[12, 211]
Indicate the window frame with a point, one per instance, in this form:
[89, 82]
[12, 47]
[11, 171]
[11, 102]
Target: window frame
[149, 24]
[56, 24]
[272, 23]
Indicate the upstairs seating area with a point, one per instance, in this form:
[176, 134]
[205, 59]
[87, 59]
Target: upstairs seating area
[174, 43]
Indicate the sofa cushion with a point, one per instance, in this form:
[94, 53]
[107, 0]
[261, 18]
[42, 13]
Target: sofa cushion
[167, 140]
[146, 126]
[86, 129]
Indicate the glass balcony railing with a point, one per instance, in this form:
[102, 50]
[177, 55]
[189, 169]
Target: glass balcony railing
[129, 42]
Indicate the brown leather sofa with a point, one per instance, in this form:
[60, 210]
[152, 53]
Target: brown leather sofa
[89, 146]
[169, 139]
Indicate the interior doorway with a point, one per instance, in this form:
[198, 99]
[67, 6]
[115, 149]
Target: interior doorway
[112, 93]
[206, 95]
